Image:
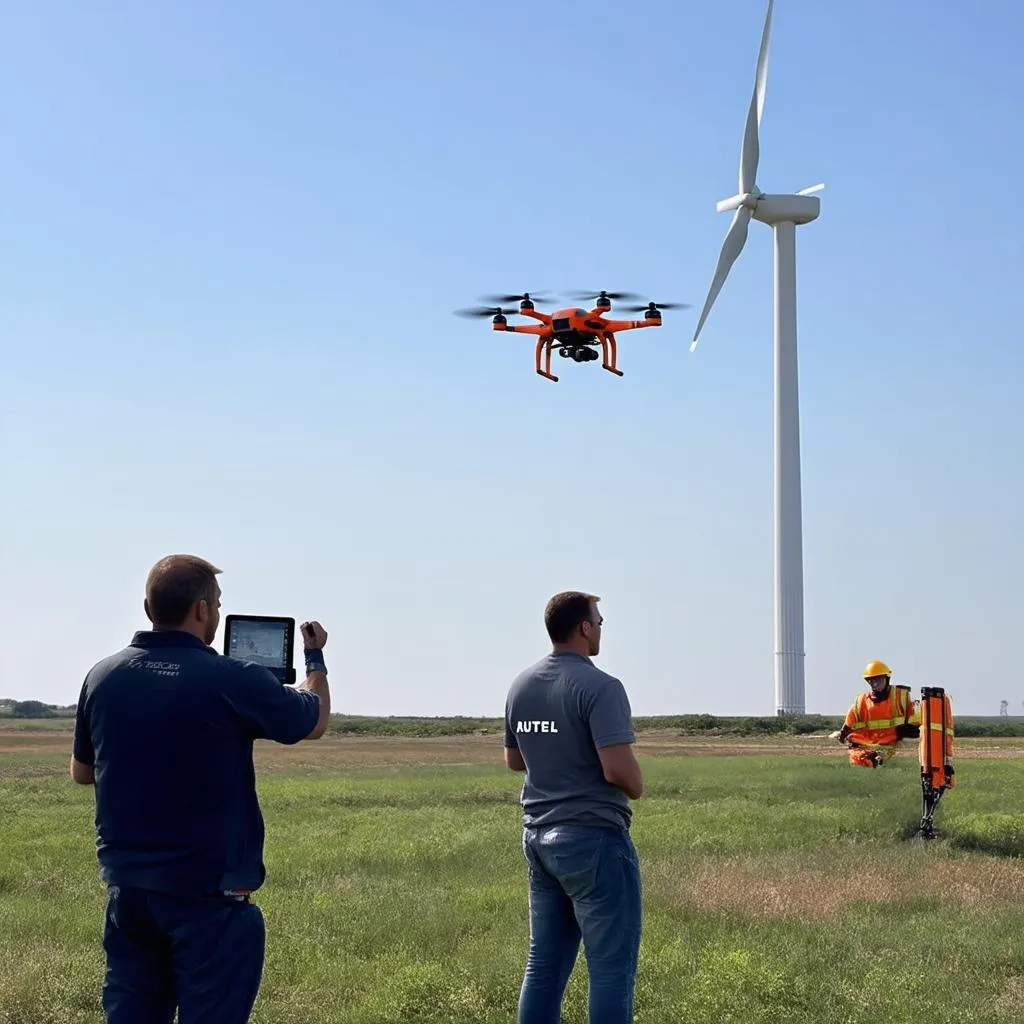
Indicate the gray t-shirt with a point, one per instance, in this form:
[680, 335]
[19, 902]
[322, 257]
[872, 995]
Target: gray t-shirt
[558, 713]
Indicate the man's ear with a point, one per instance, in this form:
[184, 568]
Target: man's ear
[145, 608]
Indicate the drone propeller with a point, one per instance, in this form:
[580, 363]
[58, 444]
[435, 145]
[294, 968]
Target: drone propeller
[505, 299]
[481, 312]
[657, 305]
[615, 296]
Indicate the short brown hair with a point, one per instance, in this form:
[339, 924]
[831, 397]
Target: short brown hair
[175, 584]
[565, 612]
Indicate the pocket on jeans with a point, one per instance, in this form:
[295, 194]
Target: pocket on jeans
[629, 851]
[579, 858]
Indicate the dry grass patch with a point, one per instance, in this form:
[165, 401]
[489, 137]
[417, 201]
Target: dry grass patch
[775, 887]
[1010, 1002]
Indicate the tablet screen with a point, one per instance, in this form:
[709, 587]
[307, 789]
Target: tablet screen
[264, 641]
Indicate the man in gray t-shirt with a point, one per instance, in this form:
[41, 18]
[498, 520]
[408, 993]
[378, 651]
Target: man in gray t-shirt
[569, 727]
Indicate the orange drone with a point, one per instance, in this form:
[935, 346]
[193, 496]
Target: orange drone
[576, 332]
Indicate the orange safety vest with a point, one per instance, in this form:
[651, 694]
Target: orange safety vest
[873, 724]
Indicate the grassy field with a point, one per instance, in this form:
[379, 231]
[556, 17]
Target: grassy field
[780, 885]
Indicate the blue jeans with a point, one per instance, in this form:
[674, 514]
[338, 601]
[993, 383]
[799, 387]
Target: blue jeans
[584, 884]
[203, 957]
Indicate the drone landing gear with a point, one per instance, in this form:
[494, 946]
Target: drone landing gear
[579, 351]
[609, 348]
[545, 348]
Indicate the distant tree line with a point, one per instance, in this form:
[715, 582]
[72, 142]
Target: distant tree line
[682, 725]
[805, 725]
[33, 709]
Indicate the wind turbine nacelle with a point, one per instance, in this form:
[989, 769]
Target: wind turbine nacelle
[800, 209]
[793, 208]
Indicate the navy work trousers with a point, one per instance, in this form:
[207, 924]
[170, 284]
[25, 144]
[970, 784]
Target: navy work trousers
[584, 884]
[202, 957]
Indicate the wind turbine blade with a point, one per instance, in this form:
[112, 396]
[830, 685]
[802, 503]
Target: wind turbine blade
[751, 152]
[735, 239]
[811, 189]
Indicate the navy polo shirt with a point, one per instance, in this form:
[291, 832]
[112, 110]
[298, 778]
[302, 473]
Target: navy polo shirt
[168, 725]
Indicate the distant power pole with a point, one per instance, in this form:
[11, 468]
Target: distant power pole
[1004, 708]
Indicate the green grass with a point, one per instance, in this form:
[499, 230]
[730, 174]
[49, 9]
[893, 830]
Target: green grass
[777, 889]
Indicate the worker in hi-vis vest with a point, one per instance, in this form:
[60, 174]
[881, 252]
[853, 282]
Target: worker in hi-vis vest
[879, 718]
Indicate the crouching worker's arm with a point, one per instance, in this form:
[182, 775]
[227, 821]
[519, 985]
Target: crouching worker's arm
[911, 728]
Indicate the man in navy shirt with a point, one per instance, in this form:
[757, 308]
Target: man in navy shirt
[165, 732]
[568, 725]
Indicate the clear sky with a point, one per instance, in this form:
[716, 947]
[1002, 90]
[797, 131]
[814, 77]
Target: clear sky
[231, 239]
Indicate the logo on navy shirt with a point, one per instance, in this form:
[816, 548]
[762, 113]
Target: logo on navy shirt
[535, 726]
[160, 668]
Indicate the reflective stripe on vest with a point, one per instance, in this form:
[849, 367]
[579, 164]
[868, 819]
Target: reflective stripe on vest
[899, 702]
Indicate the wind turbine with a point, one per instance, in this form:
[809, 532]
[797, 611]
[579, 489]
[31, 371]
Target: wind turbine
[782, 213]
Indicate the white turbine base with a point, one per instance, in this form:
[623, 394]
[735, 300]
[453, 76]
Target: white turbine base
[789, 684]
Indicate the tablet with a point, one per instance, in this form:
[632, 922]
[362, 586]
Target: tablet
[268, 640]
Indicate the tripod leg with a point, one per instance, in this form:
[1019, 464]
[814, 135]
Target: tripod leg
[926, 830]
[930, 801]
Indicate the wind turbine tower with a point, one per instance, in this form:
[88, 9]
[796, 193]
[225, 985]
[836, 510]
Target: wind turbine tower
[782, 213]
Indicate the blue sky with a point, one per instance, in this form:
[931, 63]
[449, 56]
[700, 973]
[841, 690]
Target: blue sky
[233, 236]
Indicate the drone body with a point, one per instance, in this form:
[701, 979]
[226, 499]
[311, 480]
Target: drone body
[576, 332]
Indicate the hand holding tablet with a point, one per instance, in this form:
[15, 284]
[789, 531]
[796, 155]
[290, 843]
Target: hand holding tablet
[314, 636]
[268, 640]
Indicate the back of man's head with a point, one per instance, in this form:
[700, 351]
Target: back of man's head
[566, 612]
[173, 587]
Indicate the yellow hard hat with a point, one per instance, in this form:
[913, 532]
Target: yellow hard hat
[877, 668]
